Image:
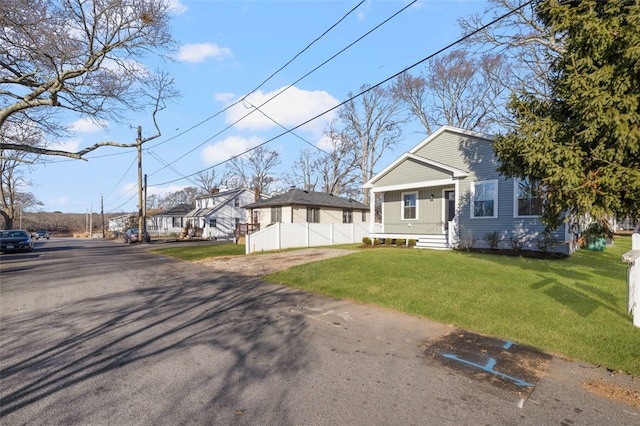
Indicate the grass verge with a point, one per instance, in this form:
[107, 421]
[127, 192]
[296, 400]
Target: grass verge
[198, 252]
[576, 307]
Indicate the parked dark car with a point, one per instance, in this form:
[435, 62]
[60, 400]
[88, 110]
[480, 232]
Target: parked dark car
[41, 233]
[15, 240]
[132, 236]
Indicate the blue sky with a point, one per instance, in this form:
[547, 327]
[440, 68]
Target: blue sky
[227, 48]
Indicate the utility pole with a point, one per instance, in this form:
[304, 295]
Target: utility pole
[144, 210]
[140, 199]
[102, 214]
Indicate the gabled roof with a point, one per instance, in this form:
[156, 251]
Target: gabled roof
[301, 197]
[229, 193]
[450, 129]
[412, 154]
[179, 210]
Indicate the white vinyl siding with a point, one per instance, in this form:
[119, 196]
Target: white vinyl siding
[484, 199]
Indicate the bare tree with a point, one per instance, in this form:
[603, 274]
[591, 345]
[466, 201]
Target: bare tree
[458, 90]
[254, 170]
[339, 168]
[207, 180]
[13, 200]
[373, 123]
[80, 57]
[305, 171]
[520, 38]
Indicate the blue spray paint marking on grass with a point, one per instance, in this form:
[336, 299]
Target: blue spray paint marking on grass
[488, 367]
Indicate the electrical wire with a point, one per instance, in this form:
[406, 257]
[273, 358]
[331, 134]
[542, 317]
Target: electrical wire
[290, 85]
[426, 58]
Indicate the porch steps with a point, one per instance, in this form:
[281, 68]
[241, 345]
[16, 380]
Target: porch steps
[434, 242]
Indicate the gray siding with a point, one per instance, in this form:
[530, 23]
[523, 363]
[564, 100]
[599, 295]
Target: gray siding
[412, 171]
[473, 231]
[429, 220]
[459, 151]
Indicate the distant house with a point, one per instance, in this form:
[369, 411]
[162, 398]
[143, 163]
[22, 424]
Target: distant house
[302, 206]
[446, 193]
[217, 215]
[120, 223]
[172, 220]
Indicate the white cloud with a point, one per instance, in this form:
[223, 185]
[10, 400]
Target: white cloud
[69, 145]
[201, 51]
[227, 148]
[163, 190]
[290, 108]
[87, 125]
[176, 7]
[223, 97]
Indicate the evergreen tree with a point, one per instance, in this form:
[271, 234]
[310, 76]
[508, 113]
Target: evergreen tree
[582, 144]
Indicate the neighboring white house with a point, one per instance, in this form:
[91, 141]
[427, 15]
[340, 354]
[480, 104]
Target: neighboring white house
[446, 192]
[120, 223]
[300, 218]
[302, 206]
[170, 221]
[218, 214]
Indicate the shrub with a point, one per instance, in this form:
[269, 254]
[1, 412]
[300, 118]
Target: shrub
[411, 242]
[400, 242]
[366, 241]
[376, 241]
[545, 243]
[516, 244]
[466, 243]
[493, 238]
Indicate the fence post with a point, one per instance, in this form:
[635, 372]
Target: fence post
[632, 258]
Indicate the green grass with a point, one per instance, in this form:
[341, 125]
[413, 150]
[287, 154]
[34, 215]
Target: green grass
[575, 307]
[197, 252]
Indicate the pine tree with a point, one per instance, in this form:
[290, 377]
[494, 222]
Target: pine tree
[582, 143]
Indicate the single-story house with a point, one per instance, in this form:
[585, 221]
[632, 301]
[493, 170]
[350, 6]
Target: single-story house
[217, 215]
[172, 220]
[446, 193]
[302, 206]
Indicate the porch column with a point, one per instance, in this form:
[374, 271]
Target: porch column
[372, 210]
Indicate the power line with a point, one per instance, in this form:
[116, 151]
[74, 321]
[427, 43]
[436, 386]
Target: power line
[307, 47]
[449, 46]
[290, 85]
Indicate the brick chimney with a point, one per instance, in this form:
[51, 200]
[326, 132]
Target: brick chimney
[256, 194]
[215, 190]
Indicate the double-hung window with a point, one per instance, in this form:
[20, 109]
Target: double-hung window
[347, 216]
[276, 214]
[313, 215]
[528, 198]
[409, 205]
[213, 222]
[484, 199]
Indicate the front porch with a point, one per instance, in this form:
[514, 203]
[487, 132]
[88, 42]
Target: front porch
[446, 240]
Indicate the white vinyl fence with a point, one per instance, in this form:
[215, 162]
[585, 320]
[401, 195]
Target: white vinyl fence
[286, 235]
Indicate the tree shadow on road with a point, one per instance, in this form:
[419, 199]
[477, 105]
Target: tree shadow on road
[238, 322]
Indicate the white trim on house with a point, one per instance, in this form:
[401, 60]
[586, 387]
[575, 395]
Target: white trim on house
[402, 205]
[414, 185]
[456, 173]
[516, 185]
[472, 190]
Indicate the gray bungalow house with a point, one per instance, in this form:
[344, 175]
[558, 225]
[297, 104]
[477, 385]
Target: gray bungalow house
[446, 193]
[302, 206]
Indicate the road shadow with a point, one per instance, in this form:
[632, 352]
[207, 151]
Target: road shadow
[172, 311]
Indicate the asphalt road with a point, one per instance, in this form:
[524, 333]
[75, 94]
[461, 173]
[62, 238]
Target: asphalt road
[101, 333]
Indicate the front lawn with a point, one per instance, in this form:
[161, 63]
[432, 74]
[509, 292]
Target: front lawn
[202, 251]
[575, 306]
